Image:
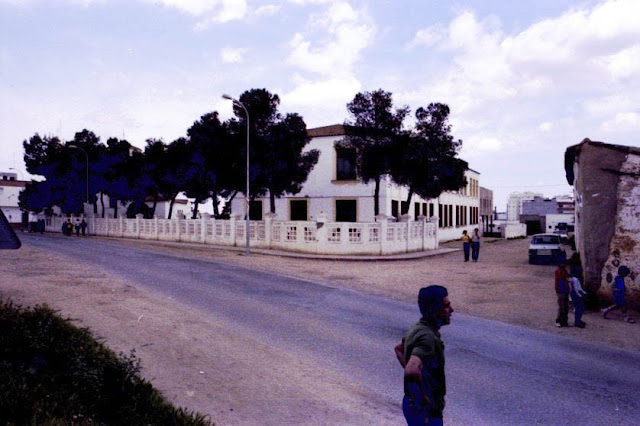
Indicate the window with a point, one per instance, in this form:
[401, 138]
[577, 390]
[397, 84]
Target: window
[405, 207]
[345, 164]
[255, 210]
[440, 216]
[394, 208]
[346, 211]
[416, 211]
[430, 209]
[298, 210]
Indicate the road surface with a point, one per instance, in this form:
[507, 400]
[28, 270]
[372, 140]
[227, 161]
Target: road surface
[498, 374]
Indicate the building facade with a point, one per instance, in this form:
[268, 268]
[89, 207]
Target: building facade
[606, 182]
[334, 191]
[10, 188]
[486, 209]
[515, 202]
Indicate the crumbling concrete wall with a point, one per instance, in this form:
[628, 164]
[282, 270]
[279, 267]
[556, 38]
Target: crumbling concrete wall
[596, 186]
[624, 246]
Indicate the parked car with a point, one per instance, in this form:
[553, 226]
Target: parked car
[564, 237]
[546, 248]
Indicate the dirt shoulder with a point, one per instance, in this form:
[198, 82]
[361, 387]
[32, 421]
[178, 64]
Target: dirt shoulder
[199, 364]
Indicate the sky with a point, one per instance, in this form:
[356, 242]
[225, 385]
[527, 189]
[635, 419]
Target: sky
[523, 79]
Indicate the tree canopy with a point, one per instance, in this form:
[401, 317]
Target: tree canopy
[374, 133]
[208, 163]
[425, 160]
[278, 162]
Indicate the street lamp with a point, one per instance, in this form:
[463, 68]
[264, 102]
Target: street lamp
[246, 195]
[87, 157]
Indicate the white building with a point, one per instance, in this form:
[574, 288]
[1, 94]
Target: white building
[333, 191]
[515, 201]
[10, 188]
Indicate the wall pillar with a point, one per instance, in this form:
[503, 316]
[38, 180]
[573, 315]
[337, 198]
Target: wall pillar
[139, 218]
[269, 218]
[203, 227]
[383, 220]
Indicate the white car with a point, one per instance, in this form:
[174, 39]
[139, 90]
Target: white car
[546, 248]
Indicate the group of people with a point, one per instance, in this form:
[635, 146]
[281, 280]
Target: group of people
[471, 243]
[569, 288]
[567, 285]
[80, 226]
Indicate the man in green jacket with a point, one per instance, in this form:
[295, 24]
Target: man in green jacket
[421, 353]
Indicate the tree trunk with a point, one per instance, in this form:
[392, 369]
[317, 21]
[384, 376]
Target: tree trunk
[153, 209]
[115, 208]
[102, 203]
[214, 200]
[376, 195]
[196, 203]
[405, 209]
[95, 207]
[272, 202]
[173, 200]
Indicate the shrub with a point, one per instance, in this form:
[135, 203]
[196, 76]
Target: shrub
[53, 372]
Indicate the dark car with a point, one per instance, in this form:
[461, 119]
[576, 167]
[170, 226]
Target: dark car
[546, 248]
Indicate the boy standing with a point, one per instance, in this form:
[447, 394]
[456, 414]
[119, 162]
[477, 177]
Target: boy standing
[576, 296]
[619, 292]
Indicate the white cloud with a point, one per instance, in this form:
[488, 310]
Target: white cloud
[222, 10]
[569, 73]
[267, 10]
[622, 64]
[609, 105]
[231, 55]
[349, 33]
[303, 2]
[623, 122]
[27, 2]
[427, 37]
[545, 127]
[327, 93]
[563, 53]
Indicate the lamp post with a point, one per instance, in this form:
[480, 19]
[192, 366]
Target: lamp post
[246, 196]
[87, 157]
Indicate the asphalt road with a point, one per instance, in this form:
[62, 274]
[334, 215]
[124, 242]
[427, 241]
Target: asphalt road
[498, 374]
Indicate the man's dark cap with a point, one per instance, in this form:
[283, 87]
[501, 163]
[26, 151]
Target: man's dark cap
[430, 299]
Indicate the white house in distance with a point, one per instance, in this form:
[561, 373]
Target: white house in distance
[333, 191]
[10, 188]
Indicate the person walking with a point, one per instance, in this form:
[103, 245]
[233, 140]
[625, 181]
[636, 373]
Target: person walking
[68, 228]
[466, 242]
[77, 226]
[475, 244]
[562, 292]
[576, 295]
[421, 354]
[83, 227]
[619, 294]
